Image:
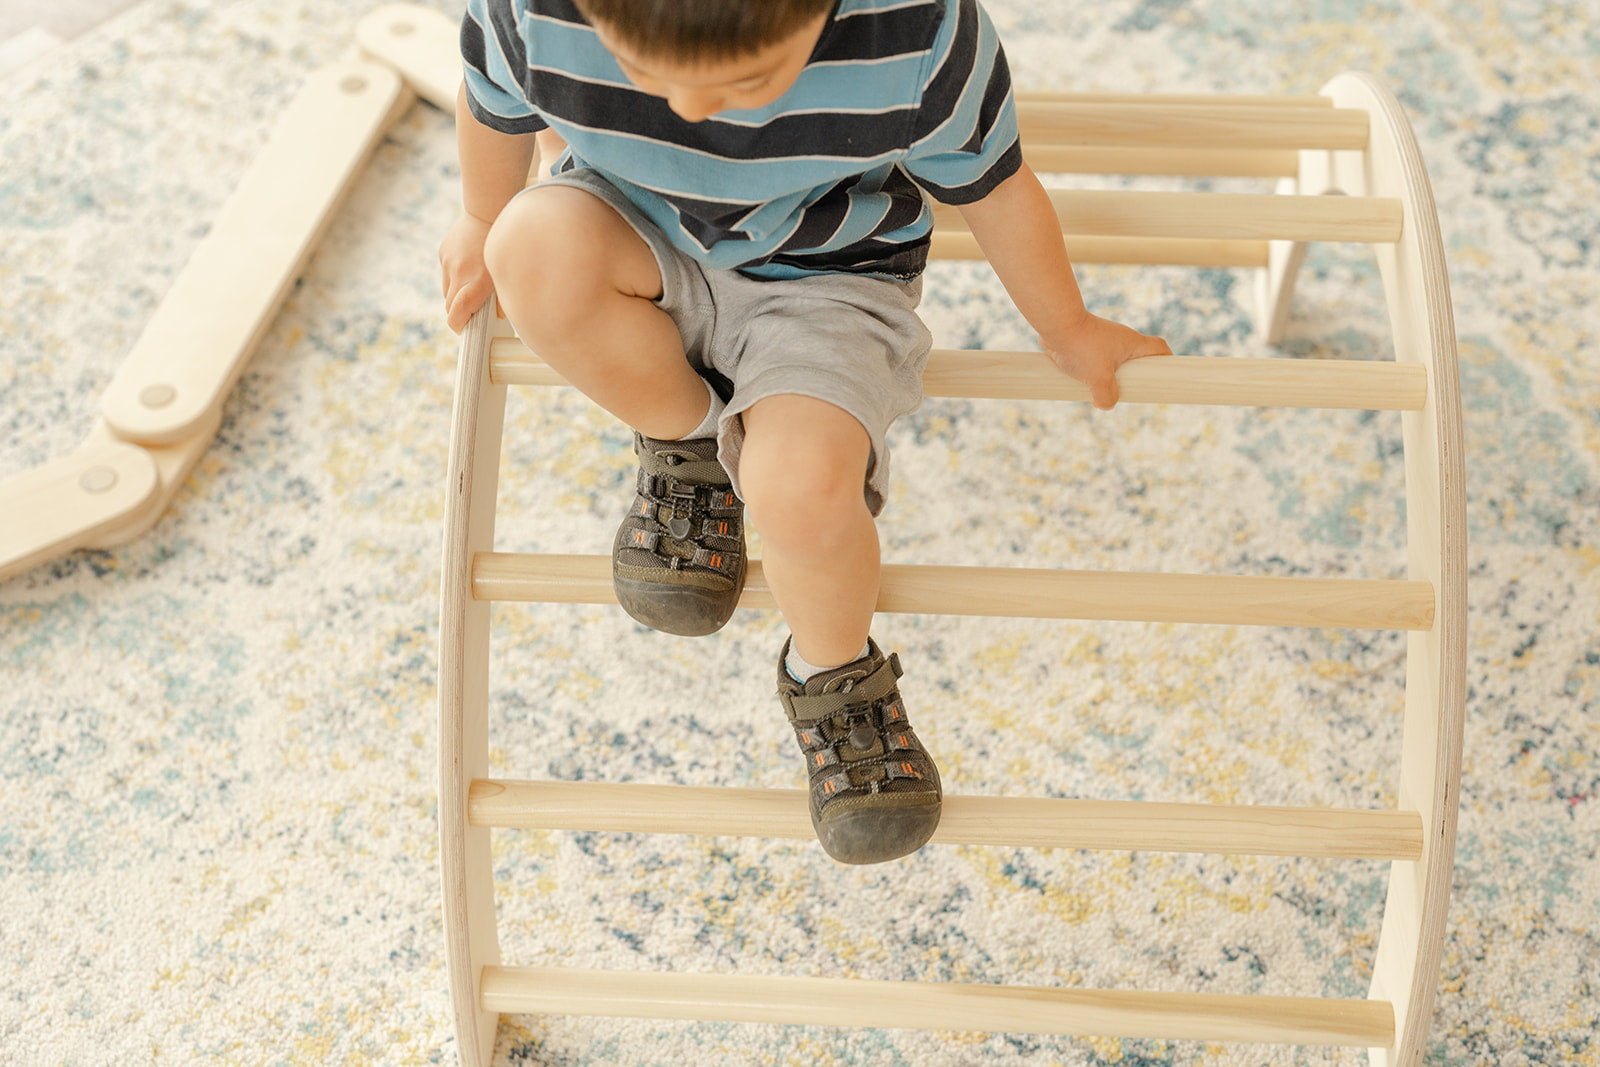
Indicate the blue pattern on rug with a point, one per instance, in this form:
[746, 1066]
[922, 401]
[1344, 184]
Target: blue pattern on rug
[216, 742]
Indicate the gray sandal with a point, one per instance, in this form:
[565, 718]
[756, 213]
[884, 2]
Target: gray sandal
[678, 562]
[875, 791]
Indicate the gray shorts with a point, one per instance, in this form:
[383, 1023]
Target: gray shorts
[854, 342]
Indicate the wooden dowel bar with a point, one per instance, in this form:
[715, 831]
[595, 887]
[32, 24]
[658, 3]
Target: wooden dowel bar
[1149, 251]
[1015, 822]
[1023, 592]
[1027, 98]
[938, 1006]
[1214, 216]
[1172, 162]
[1208, 125]
[1232, 381]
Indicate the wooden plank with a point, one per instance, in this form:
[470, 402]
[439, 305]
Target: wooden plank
[938, 1006]
[197, 342]
[73, 502]
[1024, 592]
[421, 44]
[1017, 822]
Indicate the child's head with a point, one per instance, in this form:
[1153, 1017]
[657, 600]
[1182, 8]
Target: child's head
[701, 30]
[706, 56]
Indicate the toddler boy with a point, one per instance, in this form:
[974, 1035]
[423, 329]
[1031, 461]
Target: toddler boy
[727, 257]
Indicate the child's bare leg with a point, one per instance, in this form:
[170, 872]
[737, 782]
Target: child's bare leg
[577, 283]
[874, 790]
[802, 468]
[551, 145]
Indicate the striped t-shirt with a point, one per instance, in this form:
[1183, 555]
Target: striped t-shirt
[899, 96]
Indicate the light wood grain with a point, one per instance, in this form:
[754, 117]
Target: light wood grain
[1416, 288]
[1027, 98]
[1012, 822]
[467, 881]
[74, 501]
[1151, 251]
[1174, 162]
[420, 44]
[201, 335]
[938, 1006]
[995, 374]
[1214, 216]
[1199, 125]
[1026, 592]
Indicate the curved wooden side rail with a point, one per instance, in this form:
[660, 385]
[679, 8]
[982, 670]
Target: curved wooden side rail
[1417, 290]
[471, 938]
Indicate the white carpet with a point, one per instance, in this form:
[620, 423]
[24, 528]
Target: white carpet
[216, 743]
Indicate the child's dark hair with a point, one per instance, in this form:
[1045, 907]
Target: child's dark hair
[701, 30]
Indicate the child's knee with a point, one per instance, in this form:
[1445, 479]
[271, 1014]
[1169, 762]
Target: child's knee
[801, 483]
[540, 262]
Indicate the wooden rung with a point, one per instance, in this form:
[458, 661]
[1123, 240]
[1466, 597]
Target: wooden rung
[1027, 98]
[1172, 162]
[1208, 125]
[1235, 381]
[1214, 216]
[1149, 251]
[1023, 592]
[1016, 822]
[938, 1006]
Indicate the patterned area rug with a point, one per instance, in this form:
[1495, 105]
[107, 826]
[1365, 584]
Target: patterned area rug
[218, 841]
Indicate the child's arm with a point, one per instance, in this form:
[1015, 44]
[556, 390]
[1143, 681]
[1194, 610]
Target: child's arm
[494, 168]
[1017, 228]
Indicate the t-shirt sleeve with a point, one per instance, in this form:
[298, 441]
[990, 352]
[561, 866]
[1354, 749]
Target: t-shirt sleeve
[964, 137]
[494, 65]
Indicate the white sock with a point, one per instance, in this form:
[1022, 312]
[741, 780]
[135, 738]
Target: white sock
[801, 671]
[708, 425]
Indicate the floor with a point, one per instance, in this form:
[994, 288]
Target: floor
[32, 29]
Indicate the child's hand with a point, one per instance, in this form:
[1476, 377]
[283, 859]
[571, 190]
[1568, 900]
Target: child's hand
[1093, 350]
[466, 280]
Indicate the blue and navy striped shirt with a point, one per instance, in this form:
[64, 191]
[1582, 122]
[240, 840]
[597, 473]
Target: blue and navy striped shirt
[899, 96]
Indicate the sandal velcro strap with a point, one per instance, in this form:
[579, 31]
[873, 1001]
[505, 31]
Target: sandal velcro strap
[723, 503]
[902, 741]
[822, 757]
[832, 786]
[689, 472]
[716, 559]
[727, 528]
[807, 707]
[902, 769]
[644, 539]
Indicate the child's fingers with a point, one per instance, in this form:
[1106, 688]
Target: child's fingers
[1103, 391]
[464, 302]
